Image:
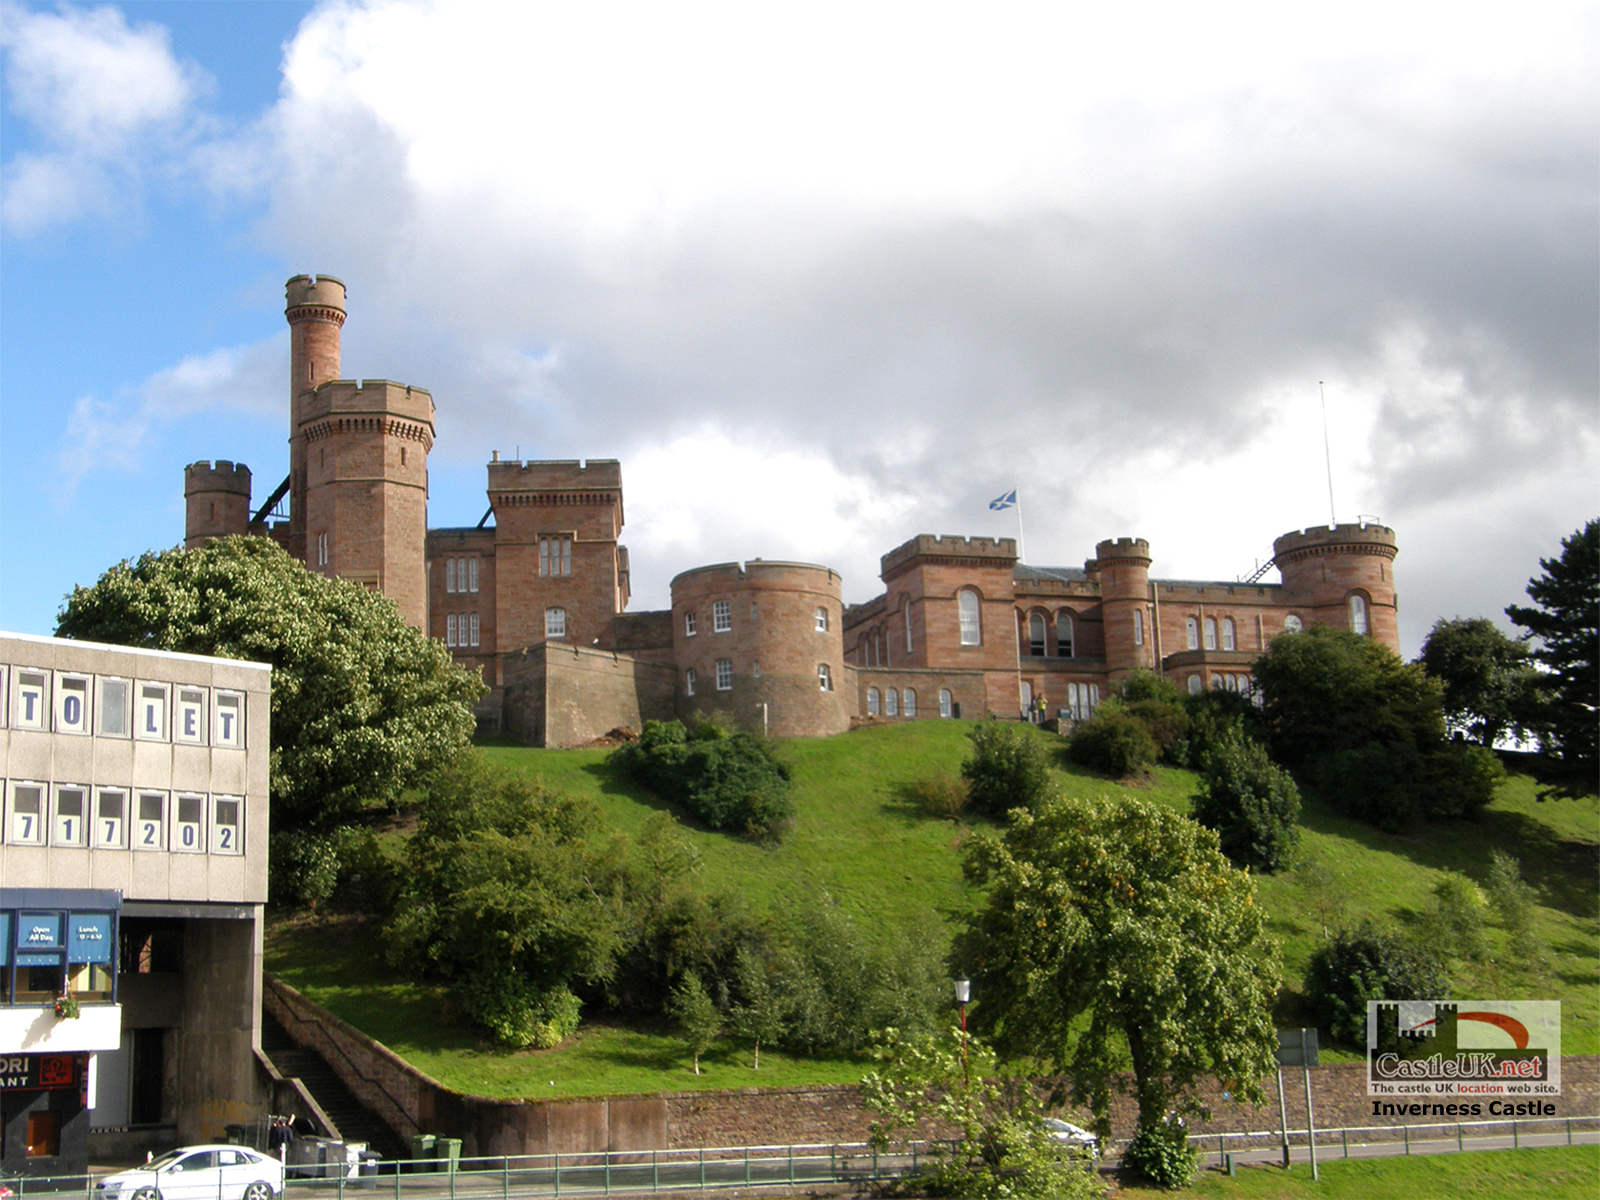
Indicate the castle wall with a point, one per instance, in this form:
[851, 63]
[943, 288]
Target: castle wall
[560, 696]
[462, 585]
[216, 501]
[968, 693]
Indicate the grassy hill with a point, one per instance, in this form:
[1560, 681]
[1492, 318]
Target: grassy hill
[896, 871]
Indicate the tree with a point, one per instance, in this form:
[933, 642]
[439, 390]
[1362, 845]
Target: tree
[1113, 742]
[362, 704]
[1485, 674]
[1252, 804]
[728, 778]
[1362, 964]
[696, 1014]
[1118, 919]
[1565, 618]
[1008, 768]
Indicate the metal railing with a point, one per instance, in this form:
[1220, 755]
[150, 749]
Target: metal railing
[1451, 1135]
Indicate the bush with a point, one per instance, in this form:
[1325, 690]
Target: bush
[303, 868]
[1455, 923]
[1366, 963]
[517, 1015]
[1253, 805]
[1162, 1154]
[938, 795]
[1113, 743]
[1398, 787]
[1008, 768]
[728, 778]
[1460, 780]
[1168, 725]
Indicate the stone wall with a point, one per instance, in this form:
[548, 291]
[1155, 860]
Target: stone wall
[561, 695]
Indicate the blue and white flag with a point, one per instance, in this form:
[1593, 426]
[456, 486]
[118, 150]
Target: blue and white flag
[1009, 500]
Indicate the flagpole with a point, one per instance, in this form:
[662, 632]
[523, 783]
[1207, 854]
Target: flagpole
[1022, 553]
[1016, 625]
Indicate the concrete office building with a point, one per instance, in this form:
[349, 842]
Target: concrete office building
[133, 869]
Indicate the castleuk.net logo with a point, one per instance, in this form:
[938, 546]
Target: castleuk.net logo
[1509, 1049]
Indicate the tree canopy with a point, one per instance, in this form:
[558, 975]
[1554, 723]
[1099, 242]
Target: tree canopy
[1486, 677]
[1126, 915]
[1565, 618]
[362, 703]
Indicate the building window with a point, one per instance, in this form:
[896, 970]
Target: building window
[151, 724]
[1358, 614]
[905, 614]
[944, 702]
[226, 822]
[724, 674]
[450, 576]
[821, 620]
[113, 712]
[755, 669]
[555, 622]
[872, 702]
[891, 703]
[1211, 633]
[1191, 633]
[721, 616]
[227, 716]
[1291, 624]
[110, 807]
[72, 705]
[555, 556]
[689, 678]
[191, 718]
[1036, 635]
[971, 622]
[29, 711]
[1195, 685]
[26, 825]
[72, 810]
[322, 549]
[450, 630]
[1228, 640]
[1138, 627]
[472, 574]
[473, 626]
[909, 707]
[150, 827]
[824, 677]
[688, 624]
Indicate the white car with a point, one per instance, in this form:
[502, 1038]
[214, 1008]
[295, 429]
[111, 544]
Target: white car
[1074, 1137]
[199, 1173]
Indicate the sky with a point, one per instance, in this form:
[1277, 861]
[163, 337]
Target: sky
[824, 276]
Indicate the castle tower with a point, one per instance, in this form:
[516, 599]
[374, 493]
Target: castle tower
[316, 314]
[1341, 576]
[1123, 567]
[216, 501]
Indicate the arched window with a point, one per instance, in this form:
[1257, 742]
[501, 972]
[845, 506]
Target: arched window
[872, 702]
[824, 677]
[1211, 633]
[822, 620]
[1064, 644]
[1036, 635]
[555, 622]
[1138, 627]
[944, 702]
[905, 613]
[909, 708]
[1227, 634]
[1191, 630]
[1358, 613]
[891, 703]
[971, 624]
[689, 678]
[1291, 624]
[1195, 686]
[1216, 683]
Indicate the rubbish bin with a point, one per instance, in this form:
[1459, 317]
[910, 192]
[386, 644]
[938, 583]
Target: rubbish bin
[422, 1146]
[235, 1135]
[369, 1171]
[449, 1151]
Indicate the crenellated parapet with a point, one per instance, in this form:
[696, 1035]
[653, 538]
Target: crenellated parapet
[1364, 538]
[950, 550]
[216, 501]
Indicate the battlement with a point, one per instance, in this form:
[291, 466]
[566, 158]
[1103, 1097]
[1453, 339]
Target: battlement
[764, 573]
[315, 297]
[368, 396]
[998, 551]
[554, 475]
[1125, 548]
[221, 476]
[1362, 538]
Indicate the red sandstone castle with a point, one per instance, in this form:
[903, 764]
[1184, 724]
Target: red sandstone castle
[536, 600]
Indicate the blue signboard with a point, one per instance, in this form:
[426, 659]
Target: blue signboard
[89, 938]
[38, 931]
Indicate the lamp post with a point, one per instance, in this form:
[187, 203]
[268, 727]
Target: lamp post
[963, 996]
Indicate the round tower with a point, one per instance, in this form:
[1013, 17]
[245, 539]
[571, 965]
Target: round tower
[316, 313]
[1342, 576]
[216, 501]
[1123, 567]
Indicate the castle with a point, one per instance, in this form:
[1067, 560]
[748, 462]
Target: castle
[536, 600]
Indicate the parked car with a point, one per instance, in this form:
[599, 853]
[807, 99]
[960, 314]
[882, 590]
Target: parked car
[199, 1173]
[1072, 1136]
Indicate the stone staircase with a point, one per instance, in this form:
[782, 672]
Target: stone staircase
[355, 1121]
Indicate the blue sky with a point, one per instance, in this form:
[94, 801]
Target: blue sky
[822, 276]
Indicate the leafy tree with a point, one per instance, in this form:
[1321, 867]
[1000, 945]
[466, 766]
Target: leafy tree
[362, 704]
[1252, 804]
[1008, 768]
[1513, 901]
[1454, 925]
[1163, 1154]
[697, 1015]
[1118, 921]
[767, 1008]
[1113, 742]
[1001, 1148]
[728, 778]
[1397, 786]
[1486, 677]
[1565, 618]
[1367, 963]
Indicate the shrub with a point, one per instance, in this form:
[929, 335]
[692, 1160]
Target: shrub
[1113, 743]
[728, 778]
[1367, 963]
[1460, 779]
[1455, 923]
[507, 1005]
[1162, 1154]
[1252, 805]
[303, 868]
[1397, 786]
[1168, 725]
[1008, 768]
[938, 795]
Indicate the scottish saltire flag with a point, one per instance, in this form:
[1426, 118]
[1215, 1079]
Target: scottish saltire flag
[1009, 500]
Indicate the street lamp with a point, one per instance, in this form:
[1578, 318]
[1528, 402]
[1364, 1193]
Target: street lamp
[963, 997]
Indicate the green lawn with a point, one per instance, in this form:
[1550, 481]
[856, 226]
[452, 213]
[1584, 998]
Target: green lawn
[1547, 1173]
[893, 870]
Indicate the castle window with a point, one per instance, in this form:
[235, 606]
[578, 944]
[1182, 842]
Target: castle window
[1138, 627]
[1228, 640]
[944, 703]
[1195, 685]
[450, 630]
[689, 678]
[905, 613]
[1036, 635]
[472, 577]
[544, 556]
[721, 616]
[555, 622]
[891, 703]
[724, 674]
[688, 624]
[1211, 633]
[450, 576]
[322, 549]
[824, 677]
[1291, 624]
[971, 623]
[1358, 614]
[1191, 633]
[755, 669]
[909, 707]
[822, 620]
[472, 637]
[872, 702]
[555, 556]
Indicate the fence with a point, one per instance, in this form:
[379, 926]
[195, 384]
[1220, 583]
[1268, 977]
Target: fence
[1541, 1130]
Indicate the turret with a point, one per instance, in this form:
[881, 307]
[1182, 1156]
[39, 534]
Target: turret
[1341, 576]
[316, 313]
[216, 500]
[1122, 566]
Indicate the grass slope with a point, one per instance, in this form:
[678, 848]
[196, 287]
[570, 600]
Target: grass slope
[898, 874]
